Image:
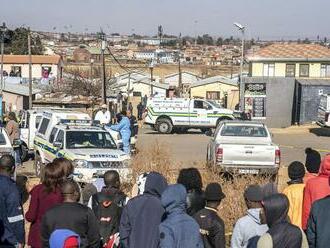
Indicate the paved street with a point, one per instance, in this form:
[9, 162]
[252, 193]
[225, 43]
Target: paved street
[191, 147]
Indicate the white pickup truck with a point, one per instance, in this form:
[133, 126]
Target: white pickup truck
[243, 147]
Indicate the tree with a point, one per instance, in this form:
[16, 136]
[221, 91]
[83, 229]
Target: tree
[219, 41]
[17, 42]
[200, 40]
[208, 40]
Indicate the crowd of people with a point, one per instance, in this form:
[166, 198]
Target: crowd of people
[181, 215]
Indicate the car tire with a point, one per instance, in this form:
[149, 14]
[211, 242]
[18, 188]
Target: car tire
[24, 153]
[164, 126]
[38, 165]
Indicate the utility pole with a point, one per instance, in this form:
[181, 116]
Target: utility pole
[3, 29]
[151, 67]
[179, 64]
[30, 69]
[103, 76]
[128, 87]
[91, 70]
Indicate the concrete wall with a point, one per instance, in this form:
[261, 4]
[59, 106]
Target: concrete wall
[200, 91]
[310, 100]
[12, 102]
[280, 69]
[279, 99]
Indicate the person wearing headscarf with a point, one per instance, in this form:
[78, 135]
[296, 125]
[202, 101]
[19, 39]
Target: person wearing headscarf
[295, 192]
[281, 233]
[312, 164]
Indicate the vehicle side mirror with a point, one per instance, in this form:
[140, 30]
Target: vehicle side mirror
[209, 133]
[58, 145]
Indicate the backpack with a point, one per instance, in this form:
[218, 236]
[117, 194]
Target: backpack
[108, 211]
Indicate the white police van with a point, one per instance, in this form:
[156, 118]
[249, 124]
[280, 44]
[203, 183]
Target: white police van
[180, 114]
[70, 134]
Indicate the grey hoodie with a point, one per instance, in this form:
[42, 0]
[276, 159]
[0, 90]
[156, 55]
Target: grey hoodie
[247, 227]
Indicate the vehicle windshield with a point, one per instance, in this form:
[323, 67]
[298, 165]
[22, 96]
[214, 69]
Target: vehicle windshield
[214, 104]
[89, 139]
[244, 131]
[2, 139]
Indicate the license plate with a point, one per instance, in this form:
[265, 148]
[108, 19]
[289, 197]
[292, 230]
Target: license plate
[248, 171]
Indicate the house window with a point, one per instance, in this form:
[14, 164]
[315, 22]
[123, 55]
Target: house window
[325, 71]
[16, 71]
[269, 70]
[213, 95]
[304, 70]
[290, 70]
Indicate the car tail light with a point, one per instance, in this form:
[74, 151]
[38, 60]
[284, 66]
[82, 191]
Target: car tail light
[277, 156]
[219, 155]
[326, 117]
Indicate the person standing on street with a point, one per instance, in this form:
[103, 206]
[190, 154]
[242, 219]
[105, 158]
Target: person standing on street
[281, 233]
[315, 189]
[103, 115]
[73, 216]
[249, 225]
[312, 164]
[211, 226]
[192, 180]
[12, 129]
[140, 110]
[295, 192]
[142, 215]
[124, 127]
[134, 128]
[12, 233]
[43, 197]
[318, 231]
[178, 229]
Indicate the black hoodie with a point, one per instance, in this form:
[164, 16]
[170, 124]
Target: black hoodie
[142, 215]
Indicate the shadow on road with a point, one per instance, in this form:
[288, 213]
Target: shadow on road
[320, 131]
[178, 133]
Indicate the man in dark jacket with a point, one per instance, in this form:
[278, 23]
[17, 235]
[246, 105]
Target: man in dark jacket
[318, 231]
[178, 230]
[211, 225]
[142, 215]
[11, 213]
[73, 216]
[134, 123]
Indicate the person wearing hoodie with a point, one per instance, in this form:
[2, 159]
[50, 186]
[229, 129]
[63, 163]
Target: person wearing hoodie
[178, 229]
[316, 188]
[212, 227]
[318, 231]
[142, 215]
[312, 164]
[249, 225]
[281, 233]
[295, 192]
[64, 238]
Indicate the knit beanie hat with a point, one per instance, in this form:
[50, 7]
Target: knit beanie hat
[296, 170]
[313, 160]
[213, 192]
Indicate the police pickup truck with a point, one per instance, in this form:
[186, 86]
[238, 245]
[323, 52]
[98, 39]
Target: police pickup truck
[180, 114]
[69, 134]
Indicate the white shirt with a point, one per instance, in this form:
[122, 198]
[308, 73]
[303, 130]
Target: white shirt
[104, 118]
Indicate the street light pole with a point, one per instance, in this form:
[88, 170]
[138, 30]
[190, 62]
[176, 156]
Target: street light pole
[151, 67]
[241, 28]
[3, 29]
[103, 76]
[30, 69]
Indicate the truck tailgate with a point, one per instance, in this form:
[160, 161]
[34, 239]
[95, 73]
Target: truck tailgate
[248, 154]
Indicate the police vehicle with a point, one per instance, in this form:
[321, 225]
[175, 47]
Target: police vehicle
[70, 134]
[169, 114]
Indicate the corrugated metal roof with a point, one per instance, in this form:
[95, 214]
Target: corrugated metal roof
[19, 89]
[214, 79]
[316, 82]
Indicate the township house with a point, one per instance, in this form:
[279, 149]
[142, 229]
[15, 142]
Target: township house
[285, 82]
[85, 54]
[43, 66]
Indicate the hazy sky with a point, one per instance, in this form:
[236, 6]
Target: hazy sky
[263, 18]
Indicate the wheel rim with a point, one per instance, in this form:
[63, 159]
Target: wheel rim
[163, 127]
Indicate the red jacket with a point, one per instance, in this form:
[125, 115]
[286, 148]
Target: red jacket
[315, 189]
[40, 202]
